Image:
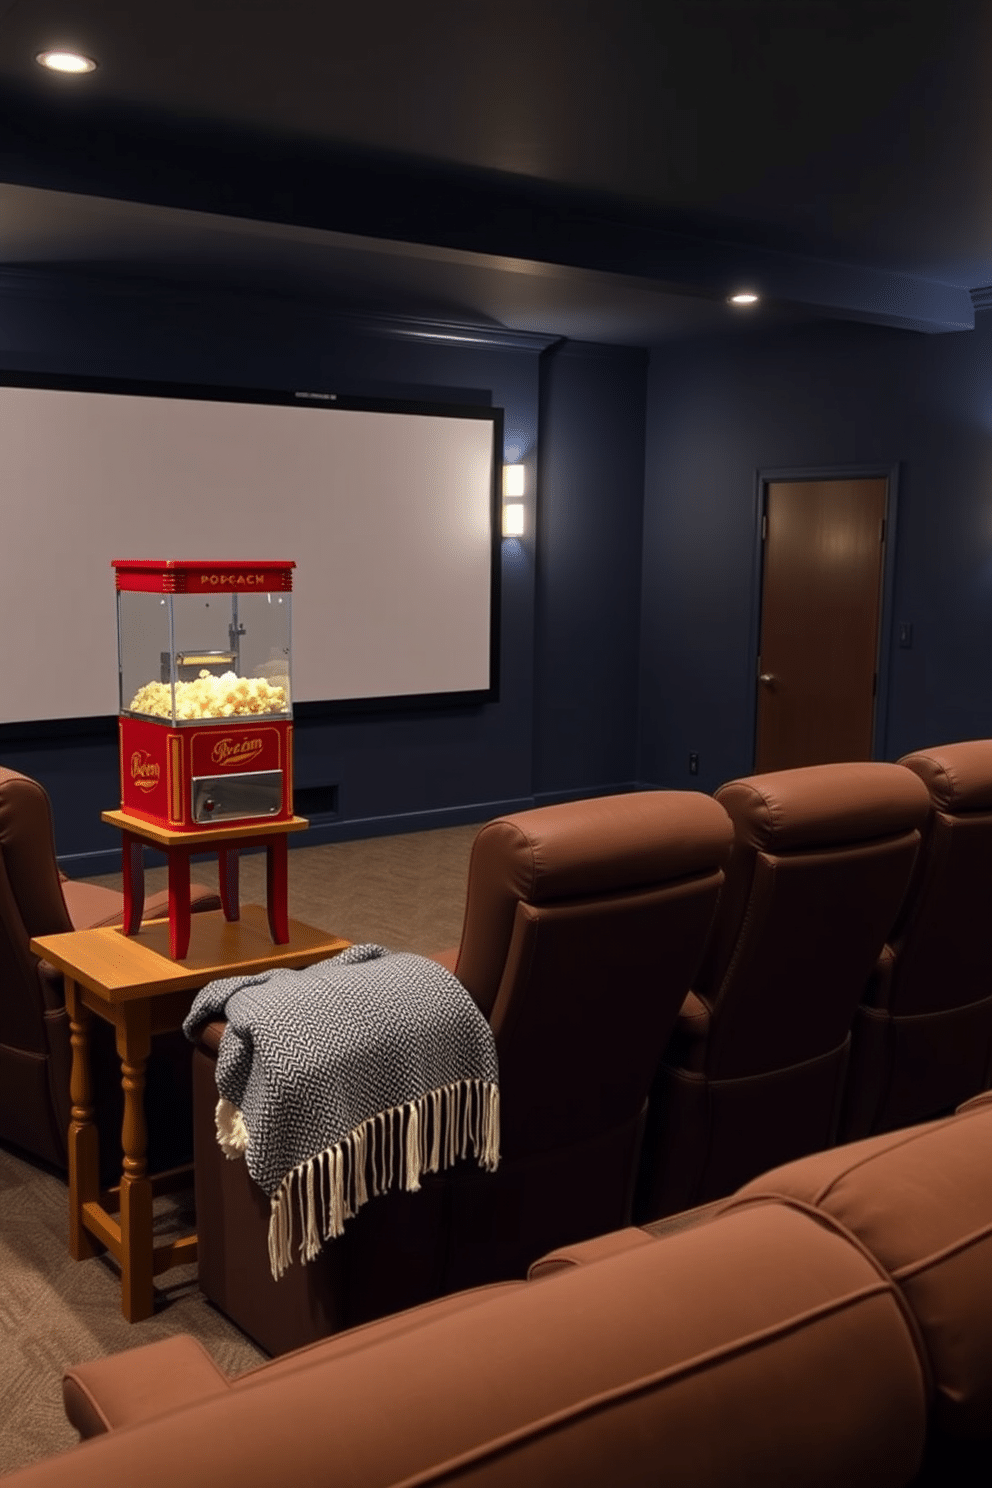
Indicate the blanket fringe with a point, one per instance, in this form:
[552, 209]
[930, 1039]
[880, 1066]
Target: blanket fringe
[232, 1133]
[393, 1148]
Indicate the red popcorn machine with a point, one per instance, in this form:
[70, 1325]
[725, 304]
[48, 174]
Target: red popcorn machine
[206, 728]
[206, 709]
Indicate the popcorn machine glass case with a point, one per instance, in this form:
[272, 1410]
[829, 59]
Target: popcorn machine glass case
[205, 697]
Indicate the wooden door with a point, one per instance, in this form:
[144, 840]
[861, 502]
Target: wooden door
[820, 611]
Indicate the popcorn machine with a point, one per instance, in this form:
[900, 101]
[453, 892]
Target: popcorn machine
[206, 708]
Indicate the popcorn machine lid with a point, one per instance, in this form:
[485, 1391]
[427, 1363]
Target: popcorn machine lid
[194, 576]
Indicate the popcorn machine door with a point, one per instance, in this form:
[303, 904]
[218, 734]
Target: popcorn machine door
[236, 797]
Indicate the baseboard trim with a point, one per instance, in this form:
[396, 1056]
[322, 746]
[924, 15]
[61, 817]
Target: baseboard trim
[588, 792]
[337, 830]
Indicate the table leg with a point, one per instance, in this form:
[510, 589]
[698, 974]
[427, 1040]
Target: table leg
[178, 902]
[137, 1231]
[277, 887]
[84, 1149]
[133, 883]
[229, 859]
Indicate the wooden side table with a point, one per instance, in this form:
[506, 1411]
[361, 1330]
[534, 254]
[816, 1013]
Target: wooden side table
[179, 846]
[133, 983]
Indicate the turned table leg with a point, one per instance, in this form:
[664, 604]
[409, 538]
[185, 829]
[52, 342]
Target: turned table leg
[84, 1151]
[136, 1220]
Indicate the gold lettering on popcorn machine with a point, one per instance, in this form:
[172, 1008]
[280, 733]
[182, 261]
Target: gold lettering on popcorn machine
[204, 652]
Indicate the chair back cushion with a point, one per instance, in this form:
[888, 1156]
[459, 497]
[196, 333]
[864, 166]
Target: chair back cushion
[920, 1200]
[31, 903]
[821, 861]
[607, 845]
[584, 924]
[941, 942]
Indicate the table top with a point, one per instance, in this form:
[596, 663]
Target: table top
[121, 968]
[204, 837]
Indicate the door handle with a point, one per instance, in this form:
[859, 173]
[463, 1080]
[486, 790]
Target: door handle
[766, 678]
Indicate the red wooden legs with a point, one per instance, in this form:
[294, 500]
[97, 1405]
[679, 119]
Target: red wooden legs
[277, 887]
[178, 902]
[228, 861]
[133, 883]
[276, 882]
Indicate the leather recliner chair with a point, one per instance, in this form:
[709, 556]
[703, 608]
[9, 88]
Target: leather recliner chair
[922, 1038]
[584, 925]
[754, 1075]
[35, 1054]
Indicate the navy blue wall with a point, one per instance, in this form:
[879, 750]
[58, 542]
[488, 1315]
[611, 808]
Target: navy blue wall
[588, 569]
[831, 395]
[392, 771]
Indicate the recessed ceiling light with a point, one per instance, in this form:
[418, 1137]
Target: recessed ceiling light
[57, 61]
[744, 298]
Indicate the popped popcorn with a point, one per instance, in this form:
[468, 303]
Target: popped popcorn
[227, 696]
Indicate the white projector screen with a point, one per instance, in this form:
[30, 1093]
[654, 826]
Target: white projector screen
[389, 514]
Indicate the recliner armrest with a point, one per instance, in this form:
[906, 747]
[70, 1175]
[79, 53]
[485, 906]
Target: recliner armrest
[92, 907]
[104, 1394]
[52, 987]
[208, 1036]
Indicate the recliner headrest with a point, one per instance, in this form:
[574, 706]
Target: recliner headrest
[824, 805]
[958, 776]
[609, 844]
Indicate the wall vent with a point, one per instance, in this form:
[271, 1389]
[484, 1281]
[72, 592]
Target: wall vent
[316, 800]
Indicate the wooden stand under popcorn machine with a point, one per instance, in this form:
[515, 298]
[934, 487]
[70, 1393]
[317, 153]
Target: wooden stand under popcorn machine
[206, 732]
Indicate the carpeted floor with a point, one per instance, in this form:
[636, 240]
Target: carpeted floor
[405, 892]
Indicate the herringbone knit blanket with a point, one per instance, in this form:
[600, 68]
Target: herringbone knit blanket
[362, 1071]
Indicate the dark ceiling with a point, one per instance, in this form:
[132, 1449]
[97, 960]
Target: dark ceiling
[602, 169]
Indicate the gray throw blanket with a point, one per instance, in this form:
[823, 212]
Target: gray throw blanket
[367, 1069]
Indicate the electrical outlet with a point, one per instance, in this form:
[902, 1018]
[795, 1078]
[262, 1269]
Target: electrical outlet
[693, 763]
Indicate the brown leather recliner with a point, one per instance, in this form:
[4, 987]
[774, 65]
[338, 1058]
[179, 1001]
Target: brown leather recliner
[922, 1038]
[753, 1077]
[584, 925]
[35, 1056]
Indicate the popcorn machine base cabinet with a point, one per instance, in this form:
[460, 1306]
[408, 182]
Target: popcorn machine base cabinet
[199, 776]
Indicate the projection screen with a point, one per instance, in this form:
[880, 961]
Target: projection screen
[389, 512]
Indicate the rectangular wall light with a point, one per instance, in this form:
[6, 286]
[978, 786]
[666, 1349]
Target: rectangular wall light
[513, 507]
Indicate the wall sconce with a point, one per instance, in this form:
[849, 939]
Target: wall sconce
[513, 507]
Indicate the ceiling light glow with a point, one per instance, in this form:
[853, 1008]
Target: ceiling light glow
[59, 61]
[745, 297]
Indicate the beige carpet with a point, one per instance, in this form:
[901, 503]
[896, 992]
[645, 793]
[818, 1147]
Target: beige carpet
[404, 892]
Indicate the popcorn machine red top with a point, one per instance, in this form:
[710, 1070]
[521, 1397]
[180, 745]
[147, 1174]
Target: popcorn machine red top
[206, 707]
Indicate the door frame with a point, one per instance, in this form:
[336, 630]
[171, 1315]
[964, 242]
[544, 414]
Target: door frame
[764, 476]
